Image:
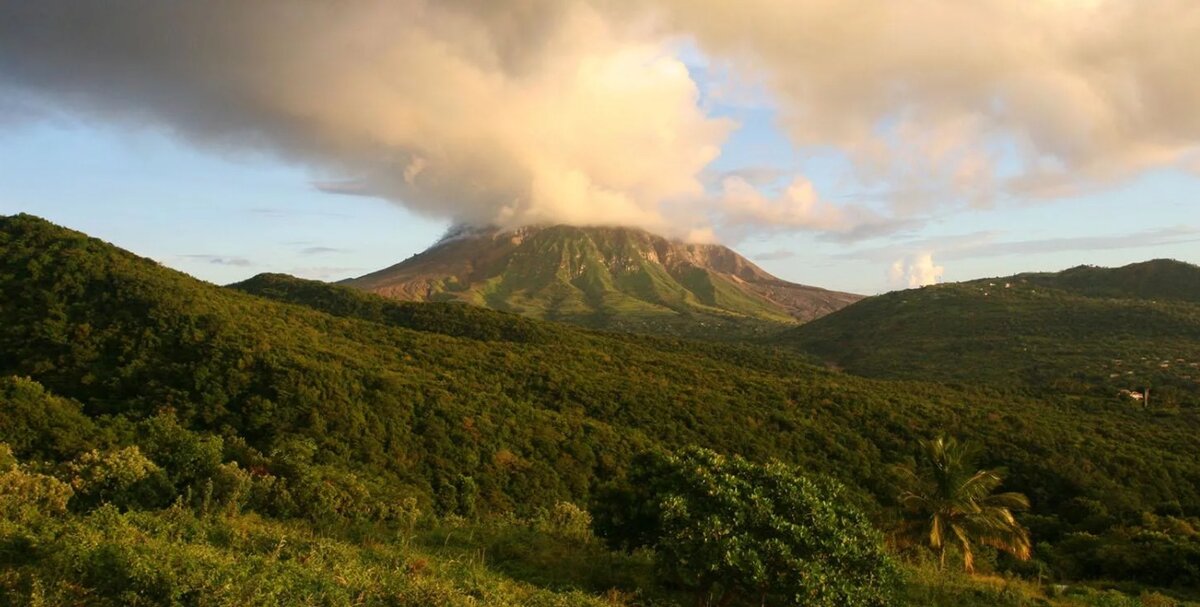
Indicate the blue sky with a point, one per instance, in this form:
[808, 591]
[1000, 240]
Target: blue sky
[916, 146]
[224, 217]
[219, 217]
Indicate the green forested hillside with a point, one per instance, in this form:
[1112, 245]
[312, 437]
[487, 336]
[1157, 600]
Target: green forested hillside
[296, 400]
[457, 320]
[462, 320]
[1085, 331]
[1159, 279]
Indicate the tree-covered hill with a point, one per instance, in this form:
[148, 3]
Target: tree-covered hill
[342, 403]
[529, 423]
[1087, 331]
[483, 324]
[1158, 279]
[453, 319]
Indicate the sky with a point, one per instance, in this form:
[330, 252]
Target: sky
[861, 148]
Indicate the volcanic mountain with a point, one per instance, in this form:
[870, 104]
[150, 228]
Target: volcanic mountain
[610, 278]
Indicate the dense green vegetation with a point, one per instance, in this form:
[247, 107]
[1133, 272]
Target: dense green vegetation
[1086, 331]
[101, 555]
[286, 408]
[724, 528]
[446, 318]
[1159, 279]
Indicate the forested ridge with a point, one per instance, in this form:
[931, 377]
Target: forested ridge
[1086, 331]
[329, 404]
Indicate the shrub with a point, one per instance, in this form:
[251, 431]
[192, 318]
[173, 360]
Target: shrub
[124, 477]
[38, 424]
[188, 458]
[26, 496]
[230, 488]
[727, 527]
[565, 520]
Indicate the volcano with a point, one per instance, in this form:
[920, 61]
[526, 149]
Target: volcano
[605, 278]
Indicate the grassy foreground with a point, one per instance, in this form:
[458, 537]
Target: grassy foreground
[179, 557]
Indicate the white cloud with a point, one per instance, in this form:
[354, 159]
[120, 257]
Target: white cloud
[987, 244]
[584, 111]
[775, 255]
[797, 207]
[508, 113]
[944, 92]
[915, 271]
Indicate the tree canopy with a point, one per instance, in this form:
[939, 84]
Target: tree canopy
[735, 532]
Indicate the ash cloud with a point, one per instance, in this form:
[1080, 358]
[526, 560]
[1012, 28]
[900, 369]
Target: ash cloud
[582, 111]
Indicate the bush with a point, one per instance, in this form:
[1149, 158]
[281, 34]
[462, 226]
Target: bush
[38, 424]
[188, 458]
[8, 461]
[124, 478]
[723, 526]
[27, 496]
[565, 520]
[229, 489]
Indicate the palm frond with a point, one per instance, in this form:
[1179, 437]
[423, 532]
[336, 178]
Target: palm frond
[980, 485]
[1010, 500]
[964, 543]
[937, 531]
[948, 496]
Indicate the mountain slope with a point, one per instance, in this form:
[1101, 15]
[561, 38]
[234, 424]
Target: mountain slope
[612, 278]
[1085, 330]
[482, 324]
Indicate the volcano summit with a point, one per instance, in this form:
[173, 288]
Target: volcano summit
[608, 278]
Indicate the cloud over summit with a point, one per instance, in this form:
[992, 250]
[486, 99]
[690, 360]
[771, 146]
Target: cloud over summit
[472, 111]
[581, 111]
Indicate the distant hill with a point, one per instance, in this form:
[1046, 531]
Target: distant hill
[1084, 330]
[1164, 279]
[609, 278]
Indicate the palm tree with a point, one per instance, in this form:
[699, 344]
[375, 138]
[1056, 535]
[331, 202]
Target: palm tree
[951, 503]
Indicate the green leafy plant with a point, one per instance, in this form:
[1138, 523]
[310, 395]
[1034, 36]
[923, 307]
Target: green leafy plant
[122, 477]
[732, 531]
[950, 502]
